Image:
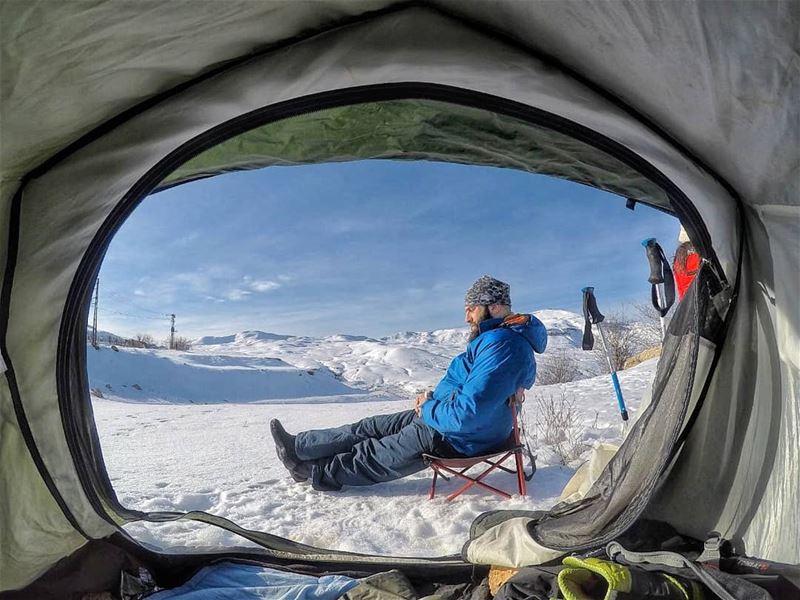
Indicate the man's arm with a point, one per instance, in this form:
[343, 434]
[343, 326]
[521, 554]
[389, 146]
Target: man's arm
[498, 370]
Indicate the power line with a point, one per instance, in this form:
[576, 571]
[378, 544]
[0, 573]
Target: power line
[125, 299]
[133, 316]
[152, 316]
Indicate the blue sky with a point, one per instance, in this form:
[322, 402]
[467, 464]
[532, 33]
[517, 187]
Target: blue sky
[370, 247]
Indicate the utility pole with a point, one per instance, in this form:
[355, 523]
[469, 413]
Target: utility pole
[94, 320]
[172, 333]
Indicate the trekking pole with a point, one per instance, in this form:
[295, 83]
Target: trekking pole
[662, 291]
[593, 316]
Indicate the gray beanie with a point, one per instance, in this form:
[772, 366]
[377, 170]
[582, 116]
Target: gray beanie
[488, 290]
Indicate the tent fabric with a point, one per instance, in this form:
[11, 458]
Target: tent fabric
[589, 472]
[101, 175]
[416, 130]
[741, 457]
[33, 529]
[704, 92]
[719, 80]
[509, 544]
[525, 78]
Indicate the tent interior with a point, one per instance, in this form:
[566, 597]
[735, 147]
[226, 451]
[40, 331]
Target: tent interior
[131, 109]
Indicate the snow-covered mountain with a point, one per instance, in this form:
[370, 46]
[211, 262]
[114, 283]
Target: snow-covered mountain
[564, 329]
[244, 338]
[398, 364]
[252, 366]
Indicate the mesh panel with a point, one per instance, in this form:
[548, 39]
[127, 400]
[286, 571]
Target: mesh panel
[421, 130]
[624, 488]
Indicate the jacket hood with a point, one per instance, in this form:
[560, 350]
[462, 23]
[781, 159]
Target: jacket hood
[528, 326]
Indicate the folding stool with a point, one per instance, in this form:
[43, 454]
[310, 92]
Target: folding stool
[458, 467]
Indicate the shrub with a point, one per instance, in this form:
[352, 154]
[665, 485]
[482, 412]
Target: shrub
[557, 367]
[623, 340]
[649, 324]
[145, 340]
[182, 343]
[558, 425]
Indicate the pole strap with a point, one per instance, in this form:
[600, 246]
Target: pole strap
[591, 316]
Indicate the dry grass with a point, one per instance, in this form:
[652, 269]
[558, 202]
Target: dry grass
[557, 367]
[642, 356]
[558, 426]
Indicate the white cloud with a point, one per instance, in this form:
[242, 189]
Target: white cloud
[264, 286]
[237, 294]
[260, 285]
[139, 292]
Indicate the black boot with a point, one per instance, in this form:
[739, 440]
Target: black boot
[284, 447]
[301, 471]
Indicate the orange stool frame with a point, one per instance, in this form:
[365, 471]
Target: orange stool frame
[458, 467]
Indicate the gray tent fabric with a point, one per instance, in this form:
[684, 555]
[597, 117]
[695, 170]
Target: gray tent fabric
[705, 94]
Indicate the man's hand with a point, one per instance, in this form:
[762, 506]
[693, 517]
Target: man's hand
[421, 399]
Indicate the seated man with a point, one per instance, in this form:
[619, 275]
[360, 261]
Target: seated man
[466, 415]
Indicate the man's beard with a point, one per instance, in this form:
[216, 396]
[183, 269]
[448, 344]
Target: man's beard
[474, 330]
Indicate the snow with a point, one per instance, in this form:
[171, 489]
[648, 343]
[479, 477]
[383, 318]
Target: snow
[185, 431]
[397, 365]
[158, 376]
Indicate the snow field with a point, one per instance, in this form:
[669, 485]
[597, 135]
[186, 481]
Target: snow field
[221, 459]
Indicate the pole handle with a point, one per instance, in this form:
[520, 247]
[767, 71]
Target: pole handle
[654, 254]
[660, 274]
[590, 310]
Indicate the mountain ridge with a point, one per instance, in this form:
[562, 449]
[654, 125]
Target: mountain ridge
[254, 365]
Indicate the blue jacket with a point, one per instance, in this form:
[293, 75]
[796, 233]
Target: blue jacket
[469, 406]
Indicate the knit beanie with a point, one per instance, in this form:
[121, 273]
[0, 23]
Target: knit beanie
[488, 290]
